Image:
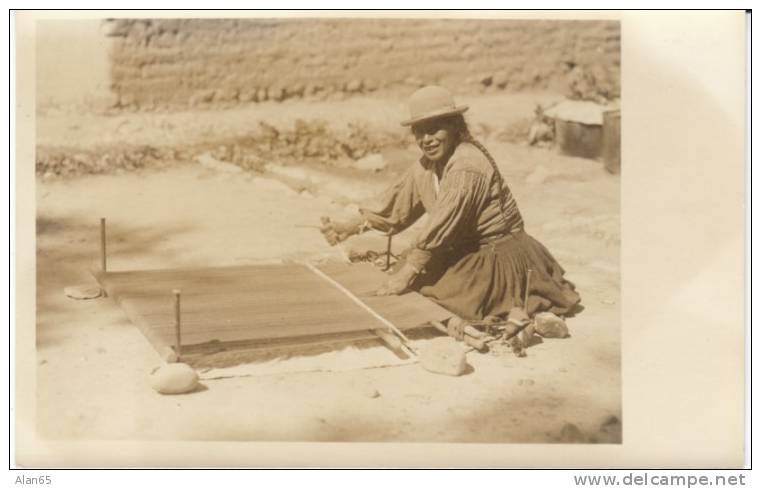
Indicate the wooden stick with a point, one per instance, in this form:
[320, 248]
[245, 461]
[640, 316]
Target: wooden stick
[471, 331]
[364, 306]
[178, 344]
[477, 343]
[391, 340]
[468, 328]
[103, 243]
[388, 253]
[103, 252]
[528, 284]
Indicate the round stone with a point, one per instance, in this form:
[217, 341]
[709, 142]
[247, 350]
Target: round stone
[174, 378]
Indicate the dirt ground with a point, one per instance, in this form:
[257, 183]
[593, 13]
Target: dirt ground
[93, 364]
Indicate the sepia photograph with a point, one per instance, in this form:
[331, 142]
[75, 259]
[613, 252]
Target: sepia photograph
[358, 229]
[328, 228]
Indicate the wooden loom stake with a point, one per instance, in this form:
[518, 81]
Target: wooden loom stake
[388, 254]
[103, 251]
[528, 284]
[103, 244]
[178, 345]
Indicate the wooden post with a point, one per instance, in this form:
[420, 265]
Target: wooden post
[528, 285]
[178, 345]
[103, 244]
[388, 253]
[103, 252]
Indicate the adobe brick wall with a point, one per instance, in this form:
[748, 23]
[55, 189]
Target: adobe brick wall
[196, 62]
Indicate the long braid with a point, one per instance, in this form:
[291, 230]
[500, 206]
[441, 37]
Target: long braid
[509, 207]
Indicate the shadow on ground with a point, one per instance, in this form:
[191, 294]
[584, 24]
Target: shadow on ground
[68, 248]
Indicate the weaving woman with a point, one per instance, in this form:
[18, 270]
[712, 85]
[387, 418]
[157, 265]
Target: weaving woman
[473, 255]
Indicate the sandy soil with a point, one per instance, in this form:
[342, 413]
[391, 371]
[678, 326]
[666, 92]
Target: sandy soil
[93, 364]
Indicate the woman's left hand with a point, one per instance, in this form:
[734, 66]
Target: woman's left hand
[399, 283]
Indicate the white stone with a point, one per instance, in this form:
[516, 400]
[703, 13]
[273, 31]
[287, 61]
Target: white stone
[174, 378]
[82, 291]
[549, 325]
[443, 356]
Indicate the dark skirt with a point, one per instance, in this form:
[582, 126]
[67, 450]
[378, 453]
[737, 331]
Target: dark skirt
[479, 280]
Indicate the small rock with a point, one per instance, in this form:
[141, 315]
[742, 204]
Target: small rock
[486, 80]
[312, 89]
[517, 347]
[277, 94]
[549, 325]
[354, 86]
[81, 292]
[373, 162]
[174, 378]
[501, 79]
[297, 90]
[443, 356]
[526, 382]
[371, 393]
[570, 433]
[262, 95]
[222, 153]
[370, 85]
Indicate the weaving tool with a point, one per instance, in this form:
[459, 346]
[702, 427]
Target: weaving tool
[356, 300]
[267, 308]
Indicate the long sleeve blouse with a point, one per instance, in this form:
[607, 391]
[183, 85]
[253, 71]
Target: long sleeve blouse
[465, 200]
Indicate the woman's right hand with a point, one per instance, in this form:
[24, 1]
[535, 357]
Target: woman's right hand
[336, 232]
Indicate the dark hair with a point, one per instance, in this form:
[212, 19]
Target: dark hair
[463, 132]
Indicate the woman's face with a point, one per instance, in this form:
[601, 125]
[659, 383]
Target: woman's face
[437, 138]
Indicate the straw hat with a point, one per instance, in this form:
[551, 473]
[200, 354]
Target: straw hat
[432, 102]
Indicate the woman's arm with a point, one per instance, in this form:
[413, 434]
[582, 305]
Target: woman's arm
[394, 211]
[397, 208]
[455, 213]
[460, 199]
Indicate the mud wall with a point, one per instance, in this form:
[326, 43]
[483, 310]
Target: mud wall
[197, 62]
